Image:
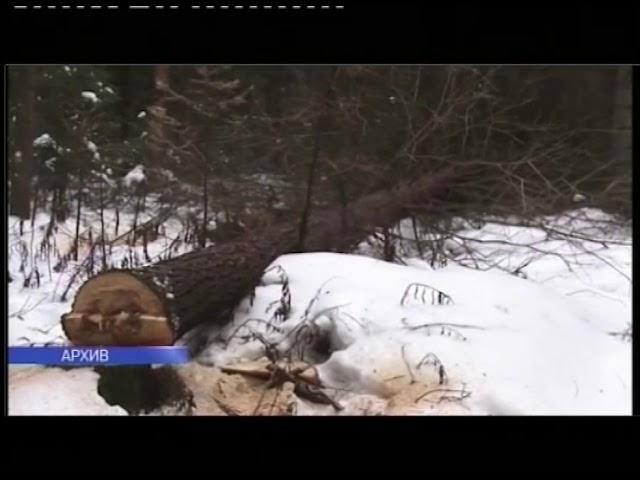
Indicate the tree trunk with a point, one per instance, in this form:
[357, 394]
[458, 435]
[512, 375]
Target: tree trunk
[304, 219]
[123, 79]
[205, 208]
[25, 165]
[102, 237]
[619, 190]
[76, 241]
[157, 130]
[157, 304]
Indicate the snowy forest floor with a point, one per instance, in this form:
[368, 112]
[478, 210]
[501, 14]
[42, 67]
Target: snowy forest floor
[552, 337]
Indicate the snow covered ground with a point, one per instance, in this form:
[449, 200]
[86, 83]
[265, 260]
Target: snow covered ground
[409, 338]
[34, 310]
[53, 391]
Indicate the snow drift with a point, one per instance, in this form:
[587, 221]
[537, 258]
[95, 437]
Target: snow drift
[389, 338]
[506, 345]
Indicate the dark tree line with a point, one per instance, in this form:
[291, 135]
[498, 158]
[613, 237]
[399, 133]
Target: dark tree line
[243, 145]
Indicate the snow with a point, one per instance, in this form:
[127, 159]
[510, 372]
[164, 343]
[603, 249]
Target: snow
[168, 174]
[268, 180]
[109, 90]
[518, 346]
[510, 342]
[44, 140]
[135, 176]
[91, 96]
[550, 343]
[76, 393]
[142, 114]
[51, 163]
[105, 178]
[34, 313]
[91, 146]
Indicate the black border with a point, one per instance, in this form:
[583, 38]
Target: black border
[635, 141]
[460, 32]
[267, 444]
[447, 32]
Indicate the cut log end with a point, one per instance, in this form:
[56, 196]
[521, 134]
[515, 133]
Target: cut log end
[116, 308]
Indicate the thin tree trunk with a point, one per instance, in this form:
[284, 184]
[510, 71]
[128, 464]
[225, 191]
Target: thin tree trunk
[205, 205]
[91, 253]
[32, 253]
[145, 239]
[342, 196]
[52, 219]
[76, 241]
[124, 84]
[161, 79]
[102, 240]
[135, 220]
[304, 218]
[388, 250]
[416, 235]
[621, 120]
[25, 165]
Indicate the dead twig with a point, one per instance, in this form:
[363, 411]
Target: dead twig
[459, 394]
[437, 297]
[432, 359]
[404, 358]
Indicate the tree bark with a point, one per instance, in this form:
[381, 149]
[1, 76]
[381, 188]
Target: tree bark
[157, 304]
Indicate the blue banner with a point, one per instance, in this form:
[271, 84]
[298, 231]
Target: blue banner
[98, 356]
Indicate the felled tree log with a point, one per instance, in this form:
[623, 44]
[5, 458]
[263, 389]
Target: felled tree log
[157, 304]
